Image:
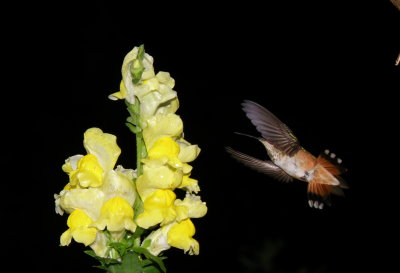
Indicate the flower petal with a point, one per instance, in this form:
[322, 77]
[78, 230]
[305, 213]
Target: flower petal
[78, 223]
[196, 208]
[187, 152]
[127, 76]
[158, 209]
[103, 146]
[120, 94]
[158, 177]
[88, 173]
[89, 200]
[158, 240]
[165, 78]
[189, 184]
[100, 244]
[117, 215]
[180, 236]
[117, 183]
[71, 163]
[162, 125]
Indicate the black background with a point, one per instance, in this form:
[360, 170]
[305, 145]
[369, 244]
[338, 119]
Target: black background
[325, 68]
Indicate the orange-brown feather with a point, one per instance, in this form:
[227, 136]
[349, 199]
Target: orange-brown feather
[319, 189]
[334, 170]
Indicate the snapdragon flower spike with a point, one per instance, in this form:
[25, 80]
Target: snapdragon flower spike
[134, 214]
[98, 197]
[165, 168]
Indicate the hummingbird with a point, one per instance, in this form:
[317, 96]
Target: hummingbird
[289, 160]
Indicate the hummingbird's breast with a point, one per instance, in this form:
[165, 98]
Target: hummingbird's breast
[298, 166]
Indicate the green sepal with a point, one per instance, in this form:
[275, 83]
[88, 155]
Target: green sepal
[146, 243]
[148, 255]
[137, 67]
[138, 208]
[133, 128]
[140, 54]
[104, 262]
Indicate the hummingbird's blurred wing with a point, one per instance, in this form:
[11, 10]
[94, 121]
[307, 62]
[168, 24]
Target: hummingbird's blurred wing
[271, 128]
[266, 167]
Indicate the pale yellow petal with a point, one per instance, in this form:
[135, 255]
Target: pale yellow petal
[189, 184]
[120, 94]
[71, 163]
[153, 102]
[103, 146]
[165, 78]
[188, 152]
[162, 177]
[66, 238]
[118, 183]
[89, 200]
[148, 72]
[196, 208]
[99, 245]
[127, 76]
[162, 125]
[158, 240]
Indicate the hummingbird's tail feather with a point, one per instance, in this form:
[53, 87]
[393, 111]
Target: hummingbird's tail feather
[332, 164]
[318, 195]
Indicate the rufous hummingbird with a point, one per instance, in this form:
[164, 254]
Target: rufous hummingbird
[289, 160]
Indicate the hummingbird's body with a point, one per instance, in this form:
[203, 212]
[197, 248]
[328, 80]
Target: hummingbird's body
[289, 160]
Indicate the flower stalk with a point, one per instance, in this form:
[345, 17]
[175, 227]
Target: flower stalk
[133, 123]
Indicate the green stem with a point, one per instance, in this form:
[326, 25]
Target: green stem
[135, 126]
[141, 151]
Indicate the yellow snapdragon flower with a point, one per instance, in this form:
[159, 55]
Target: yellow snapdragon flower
[158, 209]
[98, 191]
[87, 171]
[180, 236]
[153, 90]
[79, 229]
[176, 234]
[117, 215]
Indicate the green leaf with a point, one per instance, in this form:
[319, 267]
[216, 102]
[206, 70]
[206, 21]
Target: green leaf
[152, 269]
[104, 262]
[130, 264]
[138, 232]
[148, 255]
